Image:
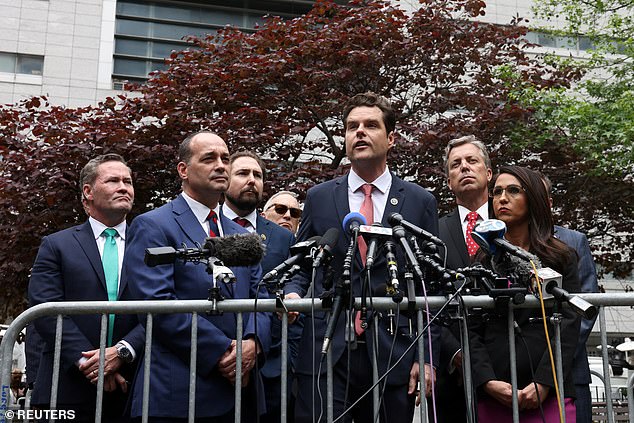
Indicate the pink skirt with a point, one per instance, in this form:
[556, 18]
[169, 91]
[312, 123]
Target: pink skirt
[491, 411]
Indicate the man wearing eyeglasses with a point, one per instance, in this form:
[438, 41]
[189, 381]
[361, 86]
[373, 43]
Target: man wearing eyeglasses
[283, 209]
[468, 170]
[246, 185]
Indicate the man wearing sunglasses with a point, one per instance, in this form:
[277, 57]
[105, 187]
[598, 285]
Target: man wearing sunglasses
[246, 185]
[468, 170]
[283, 209]
[371, 189]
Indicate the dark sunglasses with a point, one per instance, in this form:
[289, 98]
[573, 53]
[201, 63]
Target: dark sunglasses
[281, 209]
[511, 190]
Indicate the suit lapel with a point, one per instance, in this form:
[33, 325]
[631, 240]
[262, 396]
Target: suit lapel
[187, 221]
[86, 240]
[457, 237]
[341, 200]
[264, 229]
[394, 199]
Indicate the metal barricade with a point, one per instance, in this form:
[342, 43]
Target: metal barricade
[239, 307]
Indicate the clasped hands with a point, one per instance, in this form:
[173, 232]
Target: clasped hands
[112, 378]
[227, 362]
[526, 398]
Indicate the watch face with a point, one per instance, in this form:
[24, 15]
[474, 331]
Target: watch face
[124, 353]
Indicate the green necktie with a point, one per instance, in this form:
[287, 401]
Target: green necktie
[110, 262]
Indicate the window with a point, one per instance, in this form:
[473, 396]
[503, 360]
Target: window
[148, 31]
[21, 63]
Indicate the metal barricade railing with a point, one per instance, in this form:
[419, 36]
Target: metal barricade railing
[239, 307]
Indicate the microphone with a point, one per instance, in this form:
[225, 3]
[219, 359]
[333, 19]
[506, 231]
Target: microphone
[396, 219]
[372, 235]
[327, 244]
[231, 250]
[392, 268]
[550, 281]
[492, 231]
[298, 253]
[352, 221]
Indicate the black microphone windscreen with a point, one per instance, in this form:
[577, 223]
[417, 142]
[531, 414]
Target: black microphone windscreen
[159, 255]
[330, 238]
[236, 250]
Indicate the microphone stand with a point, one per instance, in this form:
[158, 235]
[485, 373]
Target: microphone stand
[214, 292]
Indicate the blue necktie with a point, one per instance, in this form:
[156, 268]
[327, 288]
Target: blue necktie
[212, 218]
[110, 262]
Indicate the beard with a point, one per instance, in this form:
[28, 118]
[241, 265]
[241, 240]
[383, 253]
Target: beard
[244, 202]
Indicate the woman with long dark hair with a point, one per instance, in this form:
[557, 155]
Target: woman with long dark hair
[520, 200]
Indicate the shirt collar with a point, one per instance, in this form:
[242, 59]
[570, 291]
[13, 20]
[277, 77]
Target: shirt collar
[382, 183]
[483, 211]
[230, 214]
[98, 228]
[200, 210]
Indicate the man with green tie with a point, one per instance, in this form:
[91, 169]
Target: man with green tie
[84, 263]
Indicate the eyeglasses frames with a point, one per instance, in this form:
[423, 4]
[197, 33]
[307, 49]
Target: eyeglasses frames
[511, 191]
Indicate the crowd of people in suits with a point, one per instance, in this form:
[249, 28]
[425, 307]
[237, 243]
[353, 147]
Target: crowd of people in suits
[103, 260]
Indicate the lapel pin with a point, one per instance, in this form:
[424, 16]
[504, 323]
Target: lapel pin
[393, 201]
[263, 236]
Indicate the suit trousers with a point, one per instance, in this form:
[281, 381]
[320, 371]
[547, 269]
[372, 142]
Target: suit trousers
[349, 383]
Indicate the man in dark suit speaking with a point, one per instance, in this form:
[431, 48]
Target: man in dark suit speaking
[369, 188]
[83, 263]
[190, 218]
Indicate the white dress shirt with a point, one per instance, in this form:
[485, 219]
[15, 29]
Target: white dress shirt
[382, 186]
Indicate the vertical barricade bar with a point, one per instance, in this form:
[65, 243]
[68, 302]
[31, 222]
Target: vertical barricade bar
[466, 366]
[630, 398]
[606, 365]
[421, 366]
[284, 369]
[238, 399]
[146, 369]
[102, 361]
[559, 364]
[375, 369]
[57, 354]
[513, 361]
[192, 369]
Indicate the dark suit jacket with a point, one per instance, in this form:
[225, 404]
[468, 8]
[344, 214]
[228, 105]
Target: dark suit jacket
[588, 281]
[68, 268]
[326, 206]
[171, 225]
[490, 346]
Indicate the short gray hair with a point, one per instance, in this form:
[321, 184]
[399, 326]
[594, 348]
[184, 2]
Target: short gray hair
[467, 139]
[269, 203]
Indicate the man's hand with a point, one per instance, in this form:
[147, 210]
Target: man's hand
[111, 382]
[90, 367]
[502, 392]
[292, 315]
[527, 397]
[227, 363]
[414, 375]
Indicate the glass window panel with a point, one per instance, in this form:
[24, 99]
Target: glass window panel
[133, 9]
[176, 32]
[546, 40]
[569, 43]
[30, 65]
[585, 43]
[130, 67]
[132, 47]
[7, 62]
[165, 49]
[177, 13]
[532, 37]
[157, 66]
[221, 17]
[128, 27]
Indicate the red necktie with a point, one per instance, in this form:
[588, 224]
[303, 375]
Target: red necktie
[212, 218]
[242, 222]
[367, 210]
[472, 247]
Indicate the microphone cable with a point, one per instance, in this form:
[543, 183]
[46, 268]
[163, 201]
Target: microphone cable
[398, 361]
[463, 309]
[389, 360]
[518, 332]
[550, 349]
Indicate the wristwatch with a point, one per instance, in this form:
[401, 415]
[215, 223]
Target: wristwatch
[124, 353]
